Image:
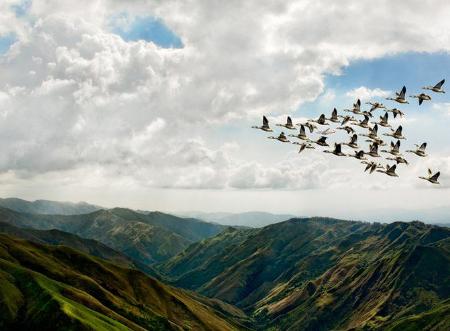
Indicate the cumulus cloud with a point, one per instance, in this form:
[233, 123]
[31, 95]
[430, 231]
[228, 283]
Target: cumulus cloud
[74, 95]
[366, 94]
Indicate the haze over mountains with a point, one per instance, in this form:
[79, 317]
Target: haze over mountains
[298, 274]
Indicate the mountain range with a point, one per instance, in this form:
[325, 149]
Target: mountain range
[48, 206]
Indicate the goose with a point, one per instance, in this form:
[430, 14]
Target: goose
[321, 141]
[347, 119]
[353, 140]
[436, 88]
[398, 159]
[303, 146]
[422, 97]
[367, 113]
[378, 141]
[301, 135]
[336, 151]
[321, 120]
[288, 124]
[432, 178]
[384, 121]
[420, 150]
[372, 166]
[265, 125]
[390, 170]
[395, 112]
[373, 150]
[326, 132]
[397, 134]
[395, 149]
[334, 116]
[364, 123]
[373, 132]
[358, 155]
[356, 108]
[282, 137]
[309, 125]
[347, 128]
[375, 105]
[400, 97]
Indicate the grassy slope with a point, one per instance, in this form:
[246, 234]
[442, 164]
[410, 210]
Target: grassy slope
[47, 287]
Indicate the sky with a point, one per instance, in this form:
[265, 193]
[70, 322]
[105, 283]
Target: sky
[149, 104]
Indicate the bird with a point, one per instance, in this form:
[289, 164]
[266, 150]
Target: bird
[375, 105]
[265, 125]
[397, 134]
[309, 125]
[288, 124]
[400, 97]
[372, 166]
[347, 128]
[334, 116]
[336, 151]
[395, 149]
[378, 141]
[390, 170]
[358, 155]
[420, 150]
[422, 97]
[436, 88]
[353, 140]
[398, 159]
[347, 119]
[373, 150]
[384, 120]
[321, 141]
[326, 132]
[356, 108]
[321, 120]
[302, 134]
[395, 112]
[364, 123]
[432, 178]
[373, 132]
[303, 146]
[282, 137]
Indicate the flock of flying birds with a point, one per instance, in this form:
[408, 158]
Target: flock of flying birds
[349, 122]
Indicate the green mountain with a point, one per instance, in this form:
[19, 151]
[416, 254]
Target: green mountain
[48, 207]
[326, 274]
[44, 287]
[146, 238]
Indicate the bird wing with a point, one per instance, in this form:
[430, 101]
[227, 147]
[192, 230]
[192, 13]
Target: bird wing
[302, 147]
[334, 113]
[302, 130]
[365, 120]
[338, 148]
[399, 130]
[375, 129]
[392, 169]
[422, 147]
[429, 172]
[321, 118]
[439, 85]
[420, 101]
[322, 139]
[353, 139]
[397, 145]
[289, 121]
[265, 121]
[435, 176]
[402, 92]
[358, 103]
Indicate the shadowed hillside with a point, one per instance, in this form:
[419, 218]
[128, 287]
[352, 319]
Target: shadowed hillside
[57, 288]
[322, 274]
[48, 207]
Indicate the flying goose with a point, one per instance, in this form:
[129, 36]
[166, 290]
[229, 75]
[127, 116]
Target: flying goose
[302, 134]
[358, 155]
[375, 105]
[397, 134]
[265, 125]
[372, 166]
[347, 119]
[373, 150]
[321, 141]
[326, 132]
[395, 112]
[288, 124]
[321, 120]
[303, 146]
[395, 149]
[421, 97]
[400, 97]
[281, 137]
[334, 116]
[384, 120]
[347, 128]
[432, 178]
[364, 123]
[309, 125]
[353, 141]
[436, 88]
[390, 170]
[398, 159]
[373, 132]
[336, 151]
[356, 108]
[420, 150]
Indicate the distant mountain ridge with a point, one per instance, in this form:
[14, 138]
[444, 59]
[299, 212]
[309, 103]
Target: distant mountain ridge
[48, 207]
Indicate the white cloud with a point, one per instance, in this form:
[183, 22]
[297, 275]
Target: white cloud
[367, 94]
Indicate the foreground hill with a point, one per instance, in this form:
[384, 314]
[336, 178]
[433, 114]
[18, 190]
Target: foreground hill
[48, 207]
[46, 287]
[146, 238]
[325, 274]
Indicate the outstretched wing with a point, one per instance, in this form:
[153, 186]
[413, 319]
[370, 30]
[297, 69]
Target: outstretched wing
[302, 130]
[375, 129]
[402, 92]
[392, 169]
[439, 85]
[422, 147]
[435, 176]
[338, 148]
[265, 122]
[322, 139]
[353, 139]
[321, 118]
[399, 130]
[334, 113]
[289, 121]
[420, 101]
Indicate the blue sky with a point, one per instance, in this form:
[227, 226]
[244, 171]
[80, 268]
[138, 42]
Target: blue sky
[6, 42]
